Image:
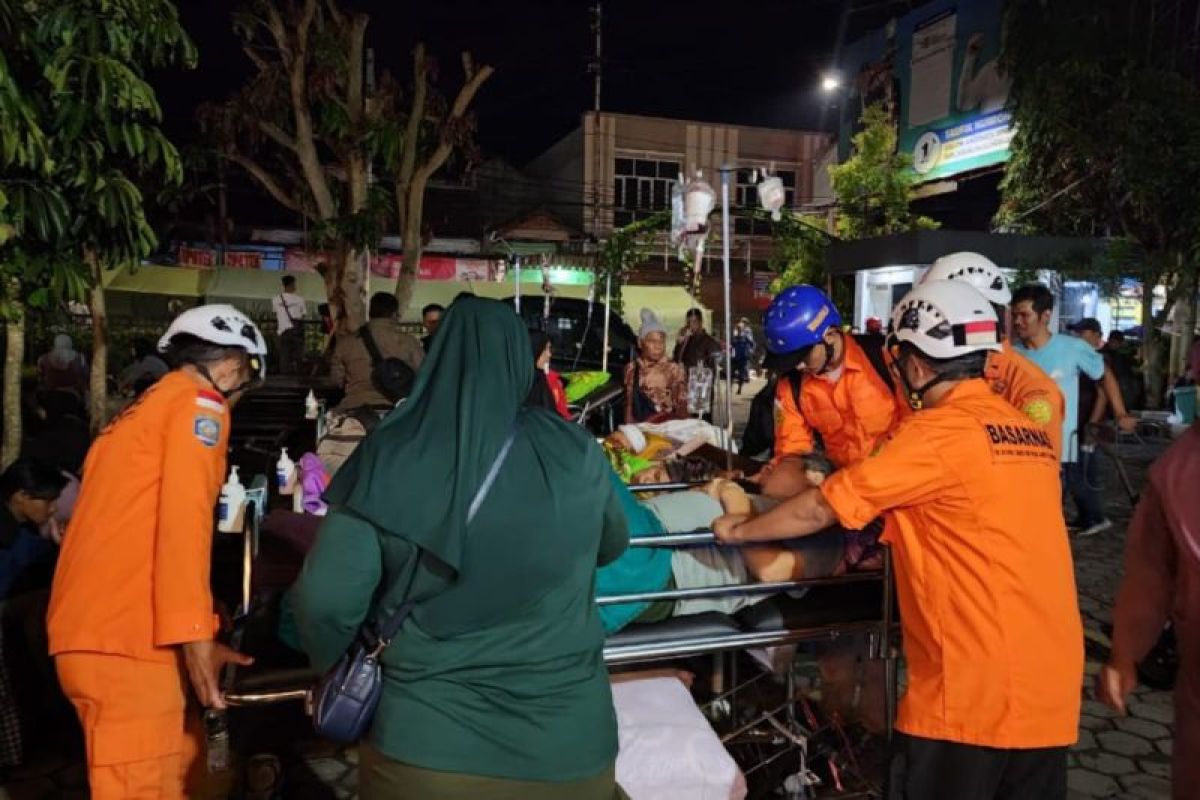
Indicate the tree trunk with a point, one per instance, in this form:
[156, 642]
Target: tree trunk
[1187, 336]
[1150, 371]
[353, 287]
[406, 283]
[98, 409]
[14, 358]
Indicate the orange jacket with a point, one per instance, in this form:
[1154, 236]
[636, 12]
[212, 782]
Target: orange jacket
[1023, 384]
[133, 575]
[992, 634]
[851, 414]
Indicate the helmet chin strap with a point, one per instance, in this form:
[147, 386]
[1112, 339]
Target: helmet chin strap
[916, 396]
[244, 385]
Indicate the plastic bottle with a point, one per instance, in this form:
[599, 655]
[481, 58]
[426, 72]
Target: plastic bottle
[298, 498]
[285, 473]
[231, 503]
[311, 408]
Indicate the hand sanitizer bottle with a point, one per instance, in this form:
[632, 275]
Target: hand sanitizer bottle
[285, 474]
[230, 504]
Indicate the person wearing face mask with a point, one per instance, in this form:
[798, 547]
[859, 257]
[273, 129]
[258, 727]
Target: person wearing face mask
[829, 385]
[991, 627]
[131, 618]
[655, 387]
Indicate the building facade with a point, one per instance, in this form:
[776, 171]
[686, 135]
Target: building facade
[618, 168]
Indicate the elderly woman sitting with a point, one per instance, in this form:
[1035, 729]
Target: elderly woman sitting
[650, 569]
[655, 386]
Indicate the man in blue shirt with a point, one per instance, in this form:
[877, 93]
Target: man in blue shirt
[1065, 359]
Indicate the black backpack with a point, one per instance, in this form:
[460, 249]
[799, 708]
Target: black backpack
[391, 376]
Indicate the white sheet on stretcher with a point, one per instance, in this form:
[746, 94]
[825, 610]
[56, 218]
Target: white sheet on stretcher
[668, 749]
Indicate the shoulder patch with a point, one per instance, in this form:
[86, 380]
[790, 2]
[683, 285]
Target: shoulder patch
[1039, 411]
[207, 430]
[210, 401]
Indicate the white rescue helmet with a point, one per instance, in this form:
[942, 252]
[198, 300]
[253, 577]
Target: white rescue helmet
[974, 269]
[222, 325]
[946, 319]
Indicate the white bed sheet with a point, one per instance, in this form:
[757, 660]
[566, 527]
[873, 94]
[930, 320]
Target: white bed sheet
[668, 749]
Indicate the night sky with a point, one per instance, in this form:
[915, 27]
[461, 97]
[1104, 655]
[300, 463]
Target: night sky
[755, 62]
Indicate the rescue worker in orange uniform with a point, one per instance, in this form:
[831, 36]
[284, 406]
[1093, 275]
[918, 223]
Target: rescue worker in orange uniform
[1011, 375]
[828, 385]
[131, 617]
[992, 632]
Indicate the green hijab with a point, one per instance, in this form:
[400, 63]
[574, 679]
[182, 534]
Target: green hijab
[417, 473]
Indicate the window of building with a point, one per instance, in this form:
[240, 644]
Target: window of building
[641, 186]
[746, 201]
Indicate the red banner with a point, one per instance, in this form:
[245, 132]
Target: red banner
[197, 257]
[243, 259]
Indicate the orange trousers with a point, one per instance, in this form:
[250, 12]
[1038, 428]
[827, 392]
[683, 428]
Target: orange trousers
[133, 715]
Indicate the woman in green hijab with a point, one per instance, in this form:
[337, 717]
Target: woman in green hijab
[495, 686]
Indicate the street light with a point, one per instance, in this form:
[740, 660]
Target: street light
[831, 82]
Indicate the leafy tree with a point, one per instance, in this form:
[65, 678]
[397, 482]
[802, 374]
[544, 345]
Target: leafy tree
[1107, 115]
[624, 249]
[874, 186]
[310, 128]
[84, 140]
[874, 190]
[432, 133]
[798, 255]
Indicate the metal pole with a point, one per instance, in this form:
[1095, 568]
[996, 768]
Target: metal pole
[516, 261]
[597, 28]
[725, 173]
[607, 296]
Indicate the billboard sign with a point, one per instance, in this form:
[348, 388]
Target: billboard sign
[936, 71]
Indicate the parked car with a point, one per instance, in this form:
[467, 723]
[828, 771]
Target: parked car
[577, 334]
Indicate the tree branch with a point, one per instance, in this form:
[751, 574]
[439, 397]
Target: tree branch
[334, 12]
[467, 93]
[277, 135]
[457, 111]
[416, 113]
[274, 23]
[305, 23]
[267, 182]
[354, 77]
[259, 61]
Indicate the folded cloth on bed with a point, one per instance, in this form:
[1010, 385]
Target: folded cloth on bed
[668, 751]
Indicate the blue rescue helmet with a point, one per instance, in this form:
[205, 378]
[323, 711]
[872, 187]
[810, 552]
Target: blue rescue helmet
[795, 321]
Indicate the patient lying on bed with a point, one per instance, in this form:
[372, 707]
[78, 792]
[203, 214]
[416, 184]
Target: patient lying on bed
[649, 569]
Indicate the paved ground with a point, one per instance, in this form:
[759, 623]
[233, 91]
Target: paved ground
[1115, 758]
[1127, 757]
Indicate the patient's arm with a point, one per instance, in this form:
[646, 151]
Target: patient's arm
[802, 515]
[767, 563]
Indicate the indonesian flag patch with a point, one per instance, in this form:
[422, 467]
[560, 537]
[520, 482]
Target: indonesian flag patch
[978, 332]
[210, 401]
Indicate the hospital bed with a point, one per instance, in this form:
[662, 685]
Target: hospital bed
[852, 605]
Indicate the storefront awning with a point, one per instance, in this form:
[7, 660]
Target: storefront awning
[252, 290]
[151, 279]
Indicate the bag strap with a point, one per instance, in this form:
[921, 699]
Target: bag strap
[286, 308]
[875, 356]
[364, 333]
[391, 625]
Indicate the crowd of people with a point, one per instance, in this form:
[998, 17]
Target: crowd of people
[470, 509]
